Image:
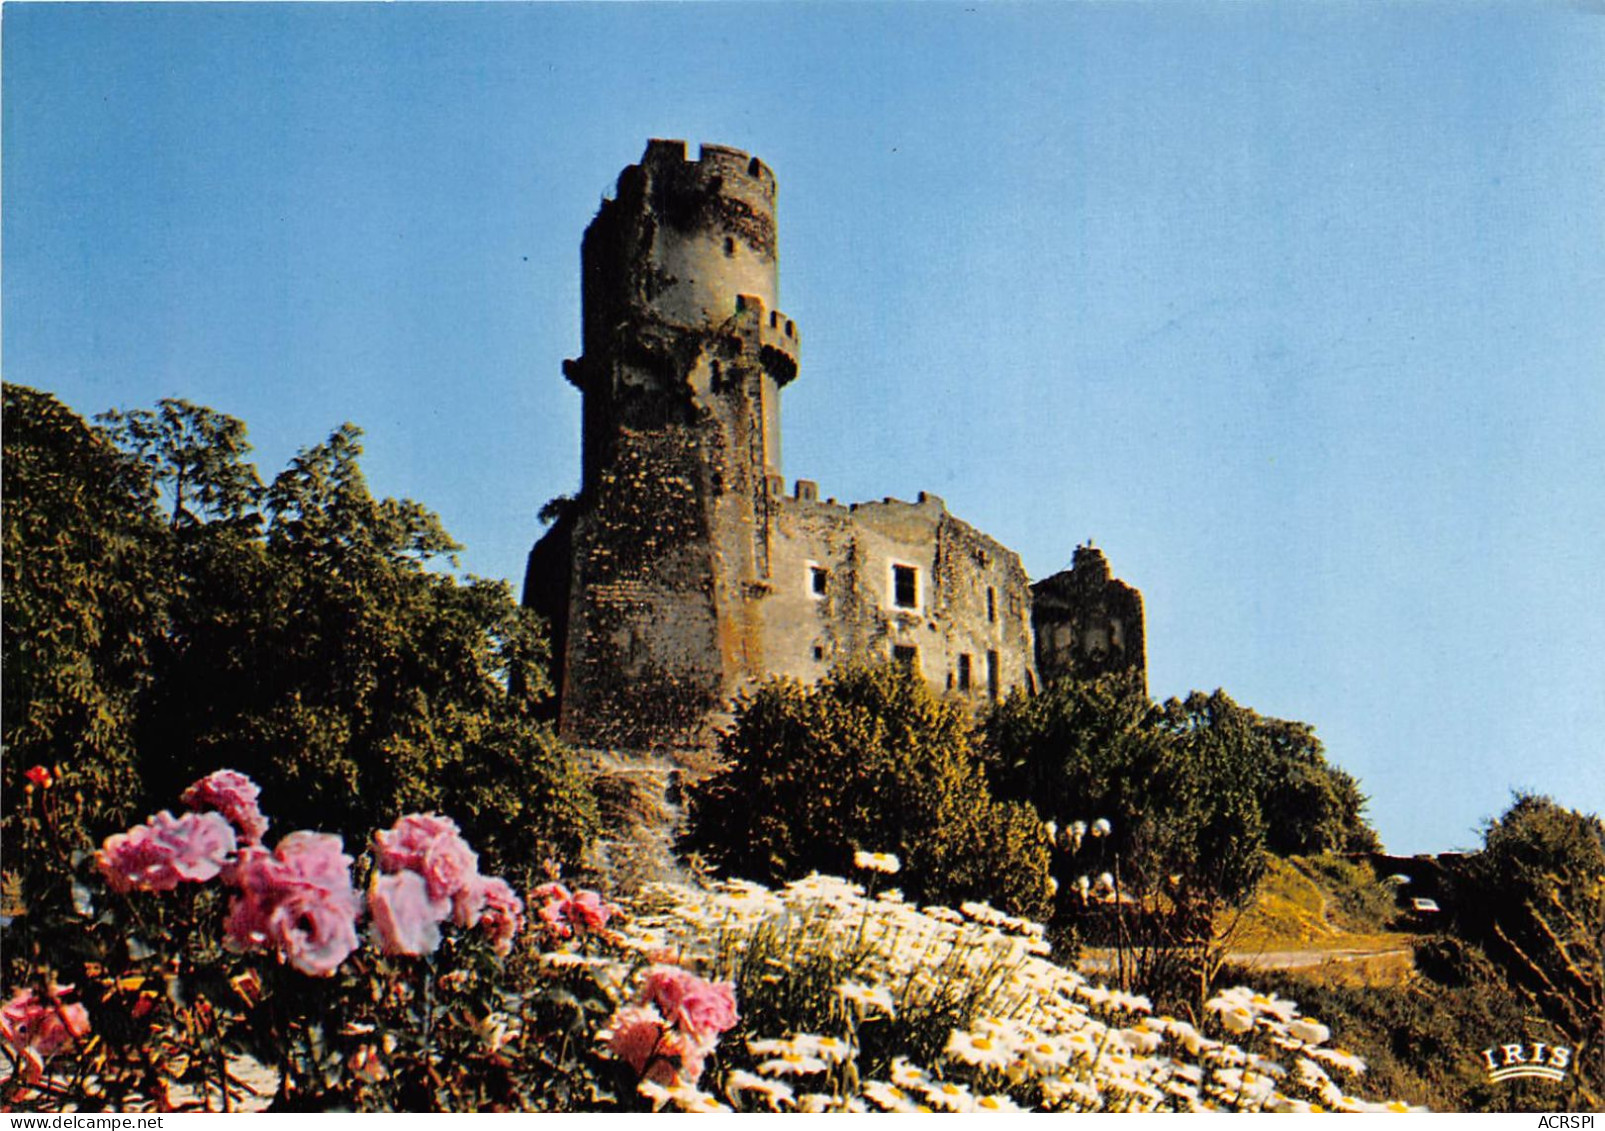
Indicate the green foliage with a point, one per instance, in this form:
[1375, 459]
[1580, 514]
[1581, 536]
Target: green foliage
[869, 759]
[1208, 794]
[1081, 750]
[1421, 1040]
[1178, 786]
[82, 599]
[347, 675]
[1362, 901]
[1196, 792]
[1534, 902]
[194, 461]
[1519, 962]
[166, 615]
[1310, 806]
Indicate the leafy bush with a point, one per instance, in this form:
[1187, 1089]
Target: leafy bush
[82, 604]
[1533, 901]
[867, 758]
[166, 613]
[1422, 1039]
[1362, 899]
[1311, 807]
[1195, 792]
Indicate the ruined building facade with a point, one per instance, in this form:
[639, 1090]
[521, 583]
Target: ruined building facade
[685, 571]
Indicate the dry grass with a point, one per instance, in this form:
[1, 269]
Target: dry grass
[1330, 919]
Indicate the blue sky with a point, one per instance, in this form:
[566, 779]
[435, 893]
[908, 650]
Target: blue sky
[1296, 309]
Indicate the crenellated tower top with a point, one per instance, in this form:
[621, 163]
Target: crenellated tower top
[681, 277]
[680, 242]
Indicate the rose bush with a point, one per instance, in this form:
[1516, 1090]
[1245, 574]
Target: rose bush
[199, 950]
[187, 971]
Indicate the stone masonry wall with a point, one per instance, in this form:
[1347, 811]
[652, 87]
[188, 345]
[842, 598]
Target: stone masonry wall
[1088, 623]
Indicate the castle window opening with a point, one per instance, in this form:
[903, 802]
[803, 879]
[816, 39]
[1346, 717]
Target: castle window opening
[994, 682]
[908, 656]
[905, 587]
[964, 671]
[819, 652]
[729, 248]
[817, 577]
[991, 605]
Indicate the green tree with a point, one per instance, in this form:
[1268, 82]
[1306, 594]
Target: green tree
[1080, 751]
[1310, 806]
[1180, 787]
[1534, 902]
[194, 460]
[83, 597]
[166, 615]
[868, 759]
[1209, 794]
[328, 660]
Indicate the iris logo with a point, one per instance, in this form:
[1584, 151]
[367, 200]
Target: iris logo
[1534, 1060]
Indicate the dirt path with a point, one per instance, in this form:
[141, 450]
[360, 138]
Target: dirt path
[1303, 959]
[1102, 960]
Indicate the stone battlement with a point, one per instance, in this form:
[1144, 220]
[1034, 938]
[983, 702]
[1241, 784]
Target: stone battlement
[712, 161]
[773, 328]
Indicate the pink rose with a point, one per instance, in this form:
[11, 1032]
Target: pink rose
[246, 927]
[701, 1009]
[298, 900]
[167, 850]
[233, 795]
[315, 929]
[432, 846]
[316, 858]
[405, 919]
[468, 904]
[404, 845]
[503, 916]
[563, 911]
[587, 910]
[449, 865]
[37, 1030]
[654, 1050]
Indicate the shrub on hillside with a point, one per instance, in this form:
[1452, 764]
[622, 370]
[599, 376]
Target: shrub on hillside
[1195, 791]
[866, 759]
[1534, 903]
[1422, 1040]
[165, 613]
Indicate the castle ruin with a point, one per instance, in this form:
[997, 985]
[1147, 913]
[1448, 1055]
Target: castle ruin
[684, 571]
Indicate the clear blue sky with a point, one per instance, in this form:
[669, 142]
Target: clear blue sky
[1296, 309]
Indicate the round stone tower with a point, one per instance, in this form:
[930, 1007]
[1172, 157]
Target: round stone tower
[684, 250]
[681, 240]
[654, 579]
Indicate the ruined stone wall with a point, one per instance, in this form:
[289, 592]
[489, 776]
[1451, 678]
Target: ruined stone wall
[682, 573]
[1088, 623]
[961, 616]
